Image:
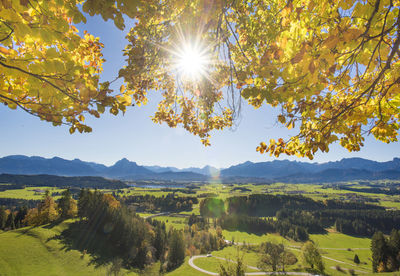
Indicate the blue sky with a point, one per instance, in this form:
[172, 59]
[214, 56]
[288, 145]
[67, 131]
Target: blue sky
[137, 138]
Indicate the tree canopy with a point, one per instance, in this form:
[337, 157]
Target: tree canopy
[330, 67]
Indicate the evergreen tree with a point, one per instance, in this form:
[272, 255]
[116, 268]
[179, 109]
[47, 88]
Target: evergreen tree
[356, 259]
[67, 205]
[394, 241]
[176, 251]
[159, 242]
[394, 247]
[3, 217]
[380, 252]
[11, 221]
[21, 214]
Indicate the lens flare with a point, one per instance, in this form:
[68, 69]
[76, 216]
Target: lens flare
[191, 61]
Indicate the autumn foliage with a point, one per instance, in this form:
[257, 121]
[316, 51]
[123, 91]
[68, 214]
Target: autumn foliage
[330, 67]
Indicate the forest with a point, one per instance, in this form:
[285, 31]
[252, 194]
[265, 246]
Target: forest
[297, 216]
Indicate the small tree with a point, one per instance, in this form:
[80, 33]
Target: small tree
[356, 259]
[235, 268]
[312, 257]
[270, 255]
[274, 255]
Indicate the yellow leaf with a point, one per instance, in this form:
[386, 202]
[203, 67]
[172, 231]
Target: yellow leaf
[4, 51]
[122, 89]
[331, 41]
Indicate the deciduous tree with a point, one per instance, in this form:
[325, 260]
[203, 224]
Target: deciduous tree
[50, 71]
[312, 256]
[67, 205]
[331, 68]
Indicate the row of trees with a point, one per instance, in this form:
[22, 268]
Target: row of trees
[168, 203]
[275, 257]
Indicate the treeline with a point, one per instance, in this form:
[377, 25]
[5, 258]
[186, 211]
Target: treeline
[257, 225]
[373, 190]
[261, 205]
[362, 222]
[13, 203]
[46, 211]
[297, 216]
[12, 219]
[93, 182]
[5, 187]
[167, 203]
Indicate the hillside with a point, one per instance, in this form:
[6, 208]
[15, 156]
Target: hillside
[34, 251]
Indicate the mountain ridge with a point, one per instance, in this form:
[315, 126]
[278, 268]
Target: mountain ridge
[277, 170]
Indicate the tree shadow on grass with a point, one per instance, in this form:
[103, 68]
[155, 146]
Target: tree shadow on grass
[24, 231]
[79, 236]
[53, 224]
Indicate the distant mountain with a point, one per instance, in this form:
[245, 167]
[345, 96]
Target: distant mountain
[362, 164]
[124, 167]
[270, 170]
[20, 164]
[171, 176]
[207, 170]
[262, 172]
[342, 170]
[158, 169]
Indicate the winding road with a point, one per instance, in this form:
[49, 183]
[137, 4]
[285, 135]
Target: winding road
[248, 273]
[275, 273]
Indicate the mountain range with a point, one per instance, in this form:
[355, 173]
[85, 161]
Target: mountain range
[277, 170]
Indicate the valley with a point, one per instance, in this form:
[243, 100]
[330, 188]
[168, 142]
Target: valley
[337, 249]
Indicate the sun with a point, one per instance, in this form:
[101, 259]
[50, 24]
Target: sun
[191, 61]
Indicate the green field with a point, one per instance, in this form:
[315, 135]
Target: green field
[23, 251]
[29, 193]
[170, 221]
[33, 251]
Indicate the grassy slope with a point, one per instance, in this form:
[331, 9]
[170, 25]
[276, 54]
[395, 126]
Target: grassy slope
[32, 251]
